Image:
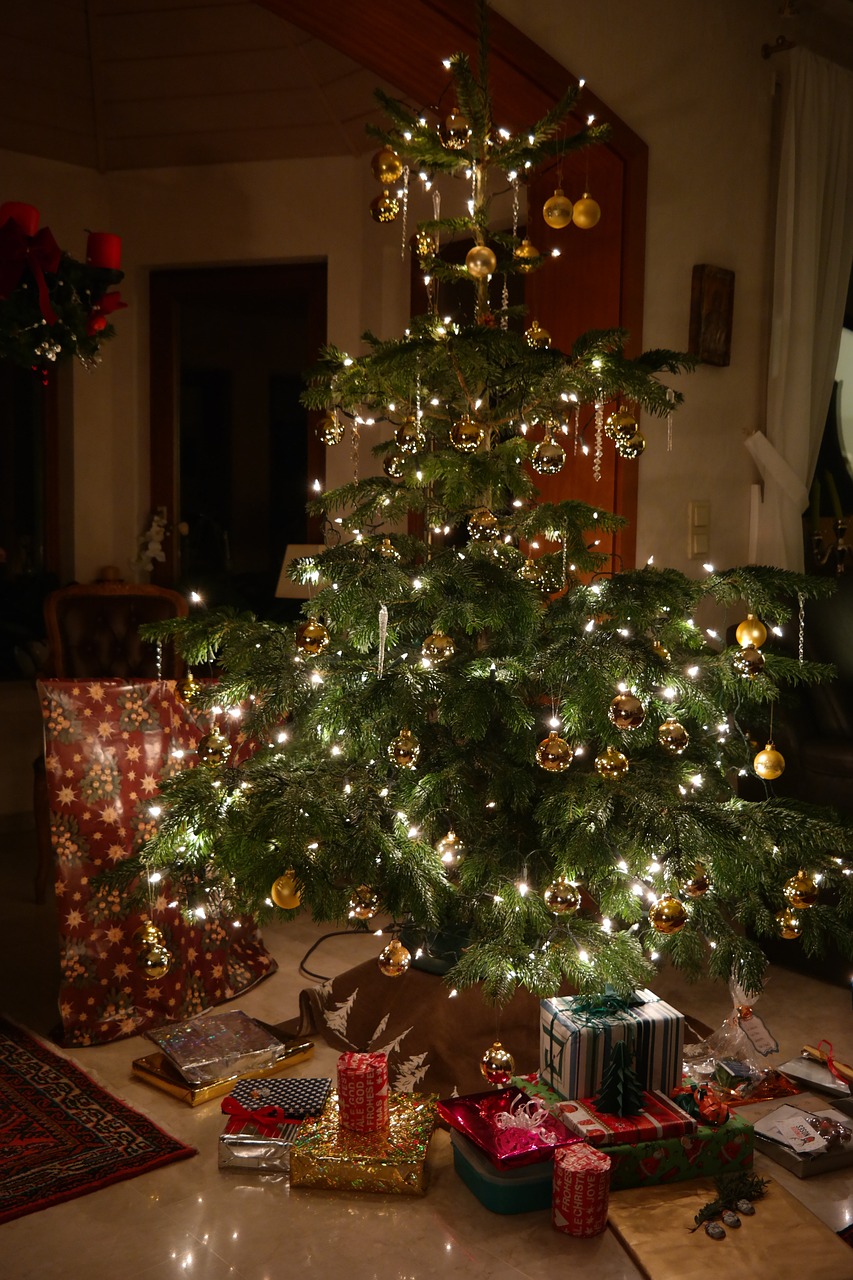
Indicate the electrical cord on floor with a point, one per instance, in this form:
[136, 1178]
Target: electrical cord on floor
[322, 977]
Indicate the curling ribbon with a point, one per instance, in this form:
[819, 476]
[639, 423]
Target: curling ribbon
[18, 251]
[829, 1059]
[383, 634]
[528, 1115]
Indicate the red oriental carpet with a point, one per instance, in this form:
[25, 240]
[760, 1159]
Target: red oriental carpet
[62, 1135]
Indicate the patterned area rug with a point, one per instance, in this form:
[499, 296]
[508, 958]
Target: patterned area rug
[62, 1135]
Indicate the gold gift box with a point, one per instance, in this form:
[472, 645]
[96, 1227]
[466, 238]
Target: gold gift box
[394, 1161]
[156, 1069]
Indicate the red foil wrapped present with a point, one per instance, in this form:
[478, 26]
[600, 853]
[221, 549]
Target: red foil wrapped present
[363, 1092]
[511, 1128]
[581, 1190]
[659, 1118]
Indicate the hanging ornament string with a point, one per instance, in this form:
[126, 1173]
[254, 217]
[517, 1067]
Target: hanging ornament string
[355, 440]
[159, 659]
[598, 451]
[670, 395]
[802, 626]
[405, 197]
[383, 635]
[576, 424]
[515, 211]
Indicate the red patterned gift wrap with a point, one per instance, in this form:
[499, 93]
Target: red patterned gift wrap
[363, 1092]
[659, 1118]
[581, 1191]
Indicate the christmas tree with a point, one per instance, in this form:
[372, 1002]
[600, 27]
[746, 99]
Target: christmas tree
[533, 757]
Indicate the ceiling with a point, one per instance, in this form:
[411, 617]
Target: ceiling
[132, 84]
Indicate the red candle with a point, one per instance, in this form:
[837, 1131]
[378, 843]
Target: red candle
[103, 249]
[26, 216]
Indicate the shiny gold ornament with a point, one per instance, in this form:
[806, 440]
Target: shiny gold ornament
[527, 257]
[393, 466]
[284, 892]
[404, 750]
[562, 898]
[788, 923]
[330, 429]
[749, 663]
[699, 885]
[424, 244]
[395, 959]
[547, 458]
[467, 434]
[769, 763]
[214, 748]
[438, 647]
[801, 891]
[186, 690]
[537, 336]
[409, 436]
[751, 632]
[387, 166]
[480, 261]
[621, 424]
[483, 526]
[554, 753]
[673, 737]
[364, 903]
[631, 448]
[311, 637]
[456, 131]
[611, 764]
[586, 212]
[384, 208]
[530, 572]
[154, 960]
[451, 851]
[661, 650]
[626, 711]
[667, 915]
[557, 210]
[148, 935]
[387, 550]
[497, 1064]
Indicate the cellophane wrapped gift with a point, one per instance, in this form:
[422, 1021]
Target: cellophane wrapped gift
[510, 1127]
[363, 1092]
[581, 1190]
[328, 1156]
[659, 1118]
[576, 1038]
[216, 1046]
[263, 1119]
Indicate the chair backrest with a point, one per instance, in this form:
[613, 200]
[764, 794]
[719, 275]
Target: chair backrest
[93, 630]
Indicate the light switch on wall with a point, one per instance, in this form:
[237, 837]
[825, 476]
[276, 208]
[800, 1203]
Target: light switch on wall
[698, 530]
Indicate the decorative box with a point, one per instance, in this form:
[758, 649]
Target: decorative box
[324, 1154]
[706, 1153]
[660, 1118]
[156, 1069]
[803, 1164]
[512, 1129]
[216, 1046]
[581, 1190]
[263, 1119]
[363, 1092]
[517, 1190]
[574, 1045]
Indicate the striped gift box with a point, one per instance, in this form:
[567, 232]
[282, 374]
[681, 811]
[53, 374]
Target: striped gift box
[659, 1118]
[581, 1190]
[363, 1092]
[574, 1048]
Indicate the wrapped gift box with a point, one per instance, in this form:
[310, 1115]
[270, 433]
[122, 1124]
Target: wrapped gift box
[263, 1120]
[486, 1119]
[244, 1145]
[706, 1153]
[156, 1069]
[803, 1164]
[514, 1190]
[216, 1046]
[660, 1118]
[581, 1190]
[574, 1046]
[324, 1154]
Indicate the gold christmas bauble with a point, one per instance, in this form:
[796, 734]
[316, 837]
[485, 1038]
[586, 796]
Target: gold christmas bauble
[699, 885]
[667, 915]
[801, 891]
[537, 336]
[409, 436]
[404, 750]
[527, 257]
[661, 650]
[769, 763]
[393, 466]
[214, 748]
[480, 261]
[530, 572]
[424, 244]
[788, 923]
[562, 898]
[673, 737]
[284, 892]
[586, 212]
[557, 210]
[364, 903]
[395, 959]
[497, 1064]
[384, 208]
[751, 632]
[611, 764]
[311, 637]
[387, 550]
[483, 526]
[438, 647]
[749, 663]
[330, 429]
[387, 166]
[632, 447]
[186, 690]
[456, 131]
[554, 753]
[148, 935]
[621, 424]
[626, 711]
[547, 458]
[466, 435]
[451, 851]
[154, 960]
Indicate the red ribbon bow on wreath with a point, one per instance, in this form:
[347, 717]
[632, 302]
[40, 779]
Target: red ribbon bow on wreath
[18, 251]
[98, 317]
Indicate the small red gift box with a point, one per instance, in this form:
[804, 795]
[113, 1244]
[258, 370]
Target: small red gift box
[363, 1092]
[659, 1118]
[512, 1129]
[581, 1191]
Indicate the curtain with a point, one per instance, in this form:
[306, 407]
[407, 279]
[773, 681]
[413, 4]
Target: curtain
[813, 258]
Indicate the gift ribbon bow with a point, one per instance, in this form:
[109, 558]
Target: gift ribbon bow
[18, 251]
[592, 1010]
[526, 1115]
[266, 1118]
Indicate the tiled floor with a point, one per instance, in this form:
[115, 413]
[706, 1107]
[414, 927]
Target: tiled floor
[191, 1221]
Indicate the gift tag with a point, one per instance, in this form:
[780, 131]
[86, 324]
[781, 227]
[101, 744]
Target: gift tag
[758, 1036]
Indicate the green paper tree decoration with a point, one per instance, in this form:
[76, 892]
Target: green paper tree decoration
[621, 1092]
